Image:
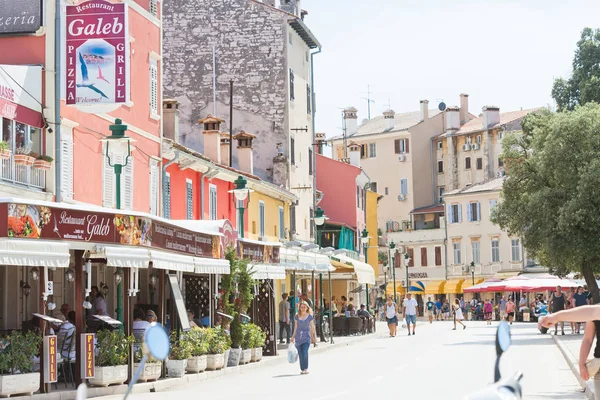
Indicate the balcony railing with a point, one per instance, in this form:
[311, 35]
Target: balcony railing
[22, 175]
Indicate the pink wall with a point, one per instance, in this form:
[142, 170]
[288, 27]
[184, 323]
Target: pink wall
[337, 181]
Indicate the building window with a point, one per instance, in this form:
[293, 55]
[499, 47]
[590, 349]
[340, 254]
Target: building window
[261, 218]
[167, 189]
[478, 139]
[474, 212]
[387, 190]
[500, 163]
[457, 254]
[455, 213]
[401, 146]
[363, 151]
[515, 250]
[492, 206]
[281, 223]
[362, 197]
[467, 162]
[372, 150]
[404, 186]
[480, 163]
[476, 250]
[423, 256]
[495, 250]
[212, 203]
[500, 135]
[310, 161]
[441, 190]
[374, 187]
[292, 221]
[411, 257]
[189, 199]
[153, 86]
[438, 256]
[17, 135]
[308, 96]
[440, 167]
[468, 140]
[292, 151]
[154, 172]
[312, 225]
[440, 145]
[291, 82]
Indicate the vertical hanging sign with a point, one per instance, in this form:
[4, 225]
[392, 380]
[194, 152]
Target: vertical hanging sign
[50, 372]
[97, 53]
[88, 354]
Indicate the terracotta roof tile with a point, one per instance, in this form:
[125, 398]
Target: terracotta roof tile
[486, 186]
[476, 125]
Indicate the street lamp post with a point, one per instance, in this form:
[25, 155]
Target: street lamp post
[392, 247]
[319, 220]
[406, 262]
[240, 194]
[473, 273]
[365, 242]
[117, 150]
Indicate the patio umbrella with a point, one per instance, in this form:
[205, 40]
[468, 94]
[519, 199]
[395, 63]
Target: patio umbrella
[481, 287]
[417, 288]
[548, 284]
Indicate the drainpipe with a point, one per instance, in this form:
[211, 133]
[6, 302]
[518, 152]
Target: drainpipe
[164, 179]
[314, 155]
[434, 172]
[57, 92]
[446, 241]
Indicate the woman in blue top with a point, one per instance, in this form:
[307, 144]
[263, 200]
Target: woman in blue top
[304, 334]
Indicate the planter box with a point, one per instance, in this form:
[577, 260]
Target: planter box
[176, 368]
[151, 371]
[526, 317]
[469, 316]
[215, 361]
[24, 159]
[5, 155]
[104, 376]
[256, 354]
[25, 384]
[246, 356]
[233, 357]
[227, 353]
[43, 165]
[196, 364]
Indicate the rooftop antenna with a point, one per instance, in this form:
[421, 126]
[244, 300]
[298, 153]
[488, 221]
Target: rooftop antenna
[369, 101]
[389, 104]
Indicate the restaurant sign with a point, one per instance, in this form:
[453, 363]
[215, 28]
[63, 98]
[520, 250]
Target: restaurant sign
[417, 275]
[88, 354]
[259, 253]
[20, 16]
[54, 223]
[50, 365]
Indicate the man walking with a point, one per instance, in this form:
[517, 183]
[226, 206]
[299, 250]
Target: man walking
[438, 310]
[502, 307]
[409, 309]
[429, 306]
[557, 303]
[580, 299]
[284, 318]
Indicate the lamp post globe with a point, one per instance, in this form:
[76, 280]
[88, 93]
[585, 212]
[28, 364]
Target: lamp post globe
[472, 267]
[240, 194]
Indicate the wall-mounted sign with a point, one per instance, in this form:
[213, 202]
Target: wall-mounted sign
[88, 354]
[20, 16]
[416, 275]
[258, 252]
[50, 288]
[97, 52]
[50, 367]
[21, 92]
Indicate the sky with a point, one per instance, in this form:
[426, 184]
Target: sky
[505, 53]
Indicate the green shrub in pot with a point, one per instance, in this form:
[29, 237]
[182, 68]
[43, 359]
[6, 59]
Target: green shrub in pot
[113, 348]
[17, 351]
[198, 339]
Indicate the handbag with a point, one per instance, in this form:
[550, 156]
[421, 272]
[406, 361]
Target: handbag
[292, 354]
[593, 366]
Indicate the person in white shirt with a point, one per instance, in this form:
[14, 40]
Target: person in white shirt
[139, 326]
[66, 337]
[409, 308]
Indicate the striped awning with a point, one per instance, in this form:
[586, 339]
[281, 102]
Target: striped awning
[434, 287]
[453, 286]
[469, 283]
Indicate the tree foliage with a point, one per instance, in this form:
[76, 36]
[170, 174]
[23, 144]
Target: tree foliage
[551, 198]
[584, 84]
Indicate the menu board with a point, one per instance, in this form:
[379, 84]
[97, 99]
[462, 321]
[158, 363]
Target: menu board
[259, 253]
[179, 304]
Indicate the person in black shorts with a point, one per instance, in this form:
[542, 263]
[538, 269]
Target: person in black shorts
[557, 303]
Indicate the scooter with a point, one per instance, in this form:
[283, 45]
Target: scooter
[502, 388]
[156, 344]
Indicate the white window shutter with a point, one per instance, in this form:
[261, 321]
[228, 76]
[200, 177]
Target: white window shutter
[154, 187]
[127, 185]
[478, 212]
[450, 213]
[189, 198]
[460, 213]
[153, 86]
[469, 213]
[167, 205]
[66, 165]
[108, 183]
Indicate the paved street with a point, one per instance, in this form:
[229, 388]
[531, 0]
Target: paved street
[435, 363]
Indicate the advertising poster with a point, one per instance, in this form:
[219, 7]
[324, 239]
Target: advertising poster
[50, 365]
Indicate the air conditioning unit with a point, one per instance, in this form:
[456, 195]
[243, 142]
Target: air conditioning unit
[262, 239]
[466, 147]
[466, 268]
[475, 146]
[401, 197]
[401, 158]
[500, 174]
[400, 249]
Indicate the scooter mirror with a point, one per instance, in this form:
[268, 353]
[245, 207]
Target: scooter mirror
[502, 338]
[156, 342]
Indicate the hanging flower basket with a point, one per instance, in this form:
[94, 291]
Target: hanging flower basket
[5, 154]
[42, 164]
[24, 159]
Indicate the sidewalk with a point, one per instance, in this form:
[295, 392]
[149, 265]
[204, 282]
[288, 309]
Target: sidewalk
[169, 383]
[569, 346]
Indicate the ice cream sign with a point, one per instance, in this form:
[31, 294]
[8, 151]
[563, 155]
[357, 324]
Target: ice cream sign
[97, 53]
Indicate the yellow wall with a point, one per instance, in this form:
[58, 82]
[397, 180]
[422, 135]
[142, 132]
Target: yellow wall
[271, 217]
[372, 229]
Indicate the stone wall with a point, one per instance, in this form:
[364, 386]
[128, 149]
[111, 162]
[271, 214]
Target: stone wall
[250, 44]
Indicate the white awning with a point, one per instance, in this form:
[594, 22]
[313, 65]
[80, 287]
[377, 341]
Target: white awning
[267, 271]
[34, 253]
[211, 266]
[323, 264]
[174, 262]
[126, 257]
[364, 272]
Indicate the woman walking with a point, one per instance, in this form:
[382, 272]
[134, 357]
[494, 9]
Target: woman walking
[458, 315]
[304, 334]
[488, 309]
[391, 316]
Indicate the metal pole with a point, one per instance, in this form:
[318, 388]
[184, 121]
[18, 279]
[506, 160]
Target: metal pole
[231, 123]
[294, 305]
[242, 209]
[407, 283]
[57, 93]
[118, 170]
[367, 285]
[322, 301]
[312, 287]
[473, 278]
[330, 312]
[394, 275]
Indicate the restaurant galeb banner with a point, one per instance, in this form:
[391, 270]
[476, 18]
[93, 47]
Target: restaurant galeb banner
[97, 53]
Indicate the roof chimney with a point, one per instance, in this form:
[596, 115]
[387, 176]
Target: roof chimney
[320, 142]
[212, 137]
[350, 120]
[225, 144]
[464, 108]
[354, 154]
[389, 115]
[452, 118]
[424, 110]
[171, 119]
[291, 6]
[269, 2]
[245, 158]
[491, 116]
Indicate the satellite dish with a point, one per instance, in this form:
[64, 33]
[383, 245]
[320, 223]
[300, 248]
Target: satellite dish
[442, 106]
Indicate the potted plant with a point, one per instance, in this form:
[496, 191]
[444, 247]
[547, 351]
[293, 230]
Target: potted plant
[16, 364]
[23, 156]
[259, 338]
[247, 344]
[5, 150]
[112, 350]
[199, 341]
[245, 283]
[526, 314]
[43, 163]
[181, 350]
[217, 344]
[152, 368]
